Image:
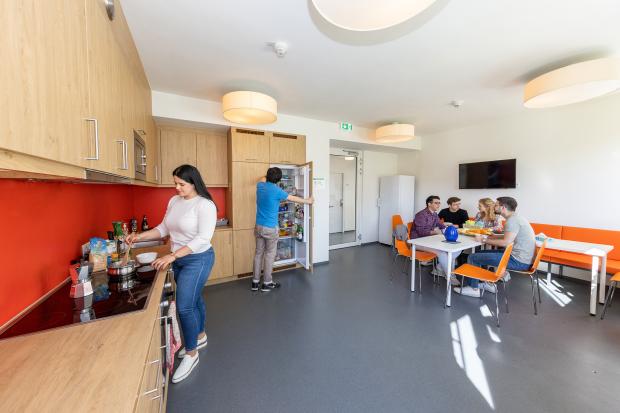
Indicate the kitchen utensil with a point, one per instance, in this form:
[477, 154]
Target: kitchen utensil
[81, 285]
[146, 257]
[117, 268]
[125, 259]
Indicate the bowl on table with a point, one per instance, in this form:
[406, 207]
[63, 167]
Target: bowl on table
[146, 257]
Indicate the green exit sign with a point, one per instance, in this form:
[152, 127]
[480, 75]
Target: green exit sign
[346, 126]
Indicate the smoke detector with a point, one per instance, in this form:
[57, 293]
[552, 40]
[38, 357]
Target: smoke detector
[279, 48]
[457, 103]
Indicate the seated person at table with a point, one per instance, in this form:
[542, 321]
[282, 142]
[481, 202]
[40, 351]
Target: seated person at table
[517, 231]
[454, 214]
[486, 215]
[426, 223]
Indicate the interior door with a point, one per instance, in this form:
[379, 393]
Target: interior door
[335, 202]
[304, 252]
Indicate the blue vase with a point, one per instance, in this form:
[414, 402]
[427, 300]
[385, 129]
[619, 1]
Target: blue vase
[451, 234]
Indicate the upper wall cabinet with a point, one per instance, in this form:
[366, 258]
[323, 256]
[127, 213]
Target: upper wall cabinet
[204, 148]
[212, 157]
[247, 145]
[73, 87]
[43, 78]
[178, 147]
[287, 149]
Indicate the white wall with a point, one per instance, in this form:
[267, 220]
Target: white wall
[568, 163]
[376, 165]
[318, 134]
[348, 169]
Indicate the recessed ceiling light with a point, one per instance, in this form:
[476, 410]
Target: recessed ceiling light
[573, 83]
[369, 15]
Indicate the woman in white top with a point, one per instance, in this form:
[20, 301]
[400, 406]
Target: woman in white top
[190, 222]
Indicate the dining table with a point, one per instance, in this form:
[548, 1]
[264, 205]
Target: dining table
[598, 271]
[439, 243]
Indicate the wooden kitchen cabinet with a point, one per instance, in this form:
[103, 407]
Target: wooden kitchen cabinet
[153, 164]
[245, 176]
[243, 252]
[247, 145]
[43, 78]
[212, 157]
[287, 149]
[178, 147]
[223, 246]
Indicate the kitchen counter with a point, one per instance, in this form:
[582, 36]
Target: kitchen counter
[95, 367]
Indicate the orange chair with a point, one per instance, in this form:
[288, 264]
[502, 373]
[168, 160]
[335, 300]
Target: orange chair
[404, 251]
[533, 271]
[471, 271]
[423, 256]
[610, 294]
[396, 221]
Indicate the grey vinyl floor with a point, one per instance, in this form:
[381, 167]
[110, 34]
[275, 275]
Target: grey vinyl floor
[338, 238]
[346, 338]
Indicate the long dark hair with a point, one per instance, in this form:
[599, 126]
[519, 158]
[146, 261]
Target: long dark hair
[191, 174]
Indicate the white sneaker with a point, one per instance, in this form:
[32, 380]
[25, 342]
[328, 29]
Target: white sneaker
[492, 288]
[202, 343]
[454, 280]
[185, 368]
[469, 291]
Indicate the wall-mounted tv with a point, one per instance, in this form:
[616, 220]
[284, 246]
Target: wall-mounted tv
[491, 174]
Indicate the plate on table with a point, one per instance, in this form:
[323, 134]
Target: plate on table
[472, 232]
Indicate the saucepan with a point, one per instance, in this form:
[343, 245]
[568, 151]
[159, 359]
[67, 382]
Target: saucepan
[117, 268]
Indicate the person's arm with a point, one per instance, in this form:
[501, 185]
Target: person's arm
[507, 239]
[262, 179]
[159, 232]
[300, 200]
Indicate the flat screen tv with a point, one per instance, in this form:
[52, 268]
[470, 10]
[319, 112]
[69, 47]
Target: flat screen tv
[491, 174]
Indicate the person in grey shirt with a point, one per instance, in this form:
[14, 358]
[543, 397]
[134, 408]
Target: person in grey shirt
[517, 231]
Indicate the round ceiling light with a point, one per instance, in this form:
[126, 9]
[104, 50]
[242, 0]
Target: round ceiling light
[573, 83]
[369, 15]
[396, 132]
[250, 108]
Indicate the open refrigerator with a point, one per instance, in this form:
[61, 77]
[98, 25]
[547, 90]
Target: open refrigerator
[295, 220]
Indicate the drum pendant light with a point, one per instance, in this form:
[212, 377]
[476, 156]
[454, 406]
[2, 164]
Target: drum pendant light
[396, 132]
[250, 108]
[369, 15]
[573, 83]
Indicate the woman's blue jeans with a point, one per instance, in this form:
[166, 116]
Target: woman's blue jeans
[492, 258]
[191, 272]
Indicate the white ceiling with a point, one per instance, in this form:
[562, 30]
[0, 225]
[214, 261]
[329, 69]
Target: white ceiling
[479, 51]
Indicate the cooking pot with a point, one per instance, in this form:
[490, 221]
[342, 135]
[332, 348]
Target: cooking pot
[117, 268]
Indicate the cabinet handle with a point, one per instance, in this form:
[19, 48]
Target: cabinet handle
[143, 160]
[124, 154]
[96, 157]
[126, 157]
[156, 177]
[158, 381]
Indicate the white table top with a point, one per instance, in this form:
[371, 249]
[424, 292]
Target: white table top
[436, 242]
[598, 250]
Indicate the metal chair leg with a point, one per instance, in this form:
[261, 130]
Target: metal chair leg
[505, 294]
[392, 267]
[420, 275]
[497, 306]
[533, 294]
[610, 296]
[538, 286]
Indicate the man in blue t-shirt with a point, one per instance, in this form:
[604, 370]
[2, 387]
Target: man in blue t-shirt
[268, 198]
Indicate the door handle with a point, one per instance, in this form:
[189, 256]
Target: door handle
[96, 157]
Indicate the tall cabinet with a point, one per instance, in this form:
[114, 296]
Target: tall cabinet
[252, 152]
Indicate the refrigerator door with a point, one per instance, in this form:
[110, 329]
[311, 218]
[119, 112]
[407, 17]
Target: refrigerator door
[304, 244]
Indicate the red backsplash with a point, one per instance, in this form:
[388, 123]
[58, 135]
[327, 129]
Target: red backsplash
[45, 223]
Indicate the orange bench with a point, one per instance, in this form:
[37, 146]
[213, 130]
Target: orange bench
[570, 259]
